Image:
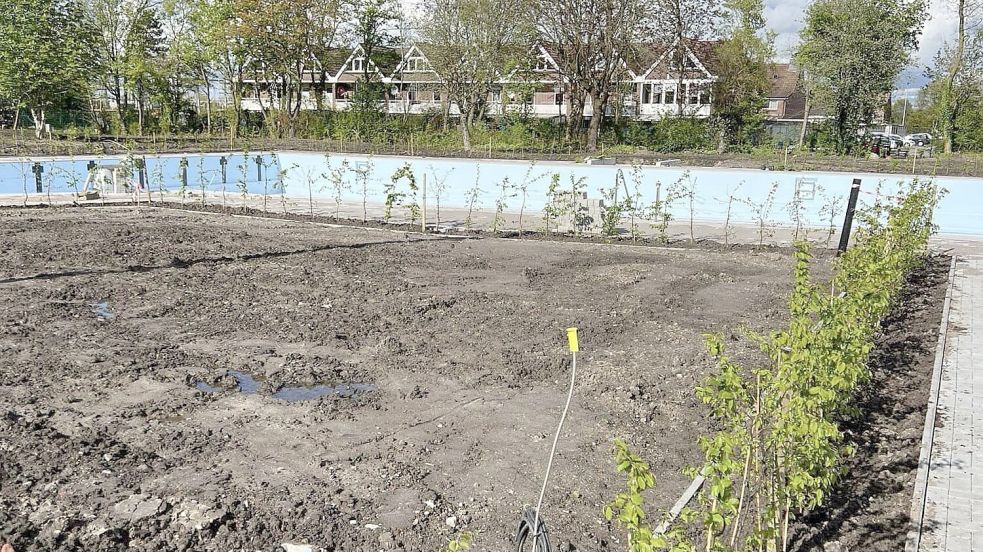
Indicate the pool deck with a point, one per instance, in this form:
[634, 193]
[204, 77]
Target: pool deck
[947, 506]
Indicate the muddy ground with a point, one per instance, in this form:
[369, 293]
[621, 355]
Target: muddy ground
[121, 423]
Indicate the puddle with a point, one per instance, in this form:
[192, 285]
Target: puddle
[205, 388]
[102, 311]
[249, 386]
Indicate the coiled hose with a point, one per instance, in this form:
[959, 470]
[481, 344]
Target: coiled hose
[527, 540]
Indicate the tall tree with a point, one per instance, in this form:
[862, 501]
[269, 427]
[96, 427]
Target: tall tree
[472, 43]
[373, 31]
[954, 58]
[46, 54]
[853, 51]
[111, 20]
[143, 49]
[952, 97]
[215, 23]
[188, 58]
[590, 40]
[742, 73]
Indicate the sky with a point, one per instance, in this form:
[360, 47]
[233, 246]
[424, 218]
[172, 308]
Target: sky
[785, 17]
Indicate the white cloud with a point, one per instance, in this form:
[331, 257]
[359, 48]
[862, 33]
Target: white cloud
[786, 18]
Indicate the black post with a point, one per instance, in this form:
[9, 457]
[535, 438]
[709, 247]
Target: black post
[141, 166]
[851, 208]
[259, 168]
[37, 169]
[222, 161]
[183, 163]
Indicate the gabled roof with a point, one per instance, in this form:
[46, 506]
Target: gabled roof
[703, 54]
[334, 59]
[783, 80]
[383, 60]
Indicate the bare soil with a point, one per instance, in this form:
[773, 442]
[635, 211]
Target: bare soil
[105, 441]
[113, 316]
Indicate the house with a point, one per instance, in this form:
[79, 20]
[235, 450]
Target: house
[663, 90]
[786, 103]
[652, 87]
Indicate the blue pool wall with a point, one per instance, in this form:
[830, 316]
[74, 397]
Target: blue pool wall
[959, 211]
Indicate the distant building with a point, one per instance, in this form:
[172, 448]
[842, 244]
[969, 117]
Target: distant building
[651, 87]
[786, 103]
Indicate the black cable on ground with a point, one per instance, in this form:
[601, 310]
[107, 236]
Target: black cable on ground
[527, 540]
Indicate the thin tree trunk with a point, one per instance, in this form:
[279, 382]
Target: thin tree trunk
[38, 115]
[594, 130]
[465, 133]
[954, 68]
[805, 118]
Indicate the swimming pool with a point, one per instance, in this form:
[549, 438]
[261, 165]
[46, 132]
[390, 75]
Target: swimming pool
[456, 181]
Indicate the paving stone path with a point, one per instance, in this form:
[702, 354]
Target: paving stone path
[952, 478]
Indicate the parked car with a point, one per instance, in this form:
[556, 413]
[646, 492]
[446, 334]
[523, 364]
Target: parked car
[918, 139]
[884, 144]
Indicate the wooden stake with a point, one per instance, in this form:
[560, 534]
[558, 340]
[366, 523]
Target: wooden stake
[423, 218]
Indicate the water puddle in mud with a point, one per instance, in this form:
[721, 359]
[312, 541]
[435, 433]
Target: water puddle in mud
[205, 388]
[102, 312]
[249, 386]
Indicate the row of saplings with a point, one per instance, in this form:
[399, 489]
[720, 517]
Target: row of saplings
[779, 450]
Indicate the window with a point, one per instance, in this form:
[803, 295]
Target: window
[543, 63]
[646, 93]
[656, 93]
[693, 94]
[772, 105]
[436, 95]
[416, 64]
[358, 64]
[411, 95]
[670, 97]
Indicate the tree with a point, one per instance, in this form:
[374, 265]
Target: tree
[953, 98]
[215, 24]
[589, 40]
[143, 48]
[853, 51]
[953, 68]
[471, 43]
[46, 54]
[110, 19]
[742, 77]
[282, 34]
[676, 22]
[188, 54]
[372, 31]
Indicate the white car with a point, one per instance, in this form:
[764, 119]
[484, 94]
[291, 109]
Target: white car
[918, 139]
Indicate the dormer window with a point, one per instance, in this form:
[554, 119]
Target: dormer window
[358, 64]
[416, 64]
[543, 63]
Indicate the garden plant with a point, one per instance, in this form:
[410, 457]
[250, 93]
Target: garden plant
[779, 448]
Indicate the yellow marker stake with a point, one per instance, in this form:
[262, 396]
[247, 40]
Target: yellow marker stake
[572, 340]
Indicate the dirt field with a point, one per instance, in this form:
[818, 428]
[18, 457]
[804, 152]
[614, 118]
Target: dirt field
[122, 422]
